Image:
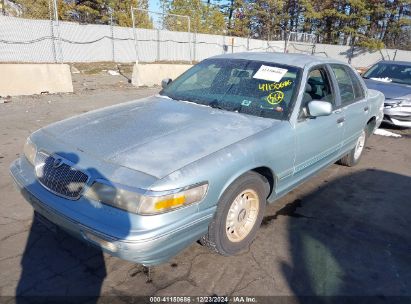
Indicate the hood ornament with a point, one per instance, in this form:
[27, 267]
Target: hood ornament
[57, 162]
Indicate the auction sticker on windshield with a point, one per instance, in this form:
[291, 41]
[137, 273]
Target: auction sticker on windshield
[266, 72]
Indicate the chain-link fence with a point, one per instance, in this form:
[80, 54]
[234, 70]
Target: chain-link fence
[94, 40]
[302, 37]
[52, 31]
[300, 42]
[168, 36]
[30, 33]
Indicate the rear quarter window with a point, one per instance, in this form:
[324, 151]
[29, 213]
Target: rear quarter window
[358, 88]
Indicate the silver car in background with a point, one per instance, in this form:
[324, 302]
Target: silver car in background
[393, 79]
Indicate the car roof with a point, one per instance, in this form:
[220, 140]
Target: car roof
[407, 63]
[297, 60]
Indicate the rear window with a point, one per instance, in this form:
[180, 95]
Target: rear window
[350, 86]
[358, 88]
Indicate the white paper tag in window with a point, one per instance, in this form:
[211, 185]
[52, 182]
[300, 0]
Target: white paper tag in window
[269, 73]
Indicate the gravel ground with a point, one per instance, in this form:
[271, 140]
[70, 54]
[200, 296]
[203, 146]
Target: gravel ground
[344, 232]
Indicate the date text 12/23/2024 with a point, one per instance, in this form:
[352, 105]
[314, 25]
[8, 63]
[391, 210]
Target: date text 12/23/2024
[203, 299]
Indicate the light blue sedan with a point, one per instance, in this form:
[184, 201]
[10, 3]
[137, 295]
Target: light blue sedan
[144, 179]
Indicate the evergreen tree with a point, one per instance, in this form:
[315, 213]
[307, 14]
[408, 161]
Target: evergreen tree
[204, 18]
[34, 9]
[366, 23]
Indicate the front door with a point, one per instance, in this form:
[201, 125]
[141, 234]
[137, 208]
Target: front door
[318, 139]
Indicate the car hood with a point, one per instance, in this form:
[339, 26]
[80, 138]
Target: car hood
[155, 135]
[389, 89]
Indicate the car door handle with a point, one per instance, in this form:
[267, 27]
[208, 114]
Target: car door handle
[366, 109]
[340, 120]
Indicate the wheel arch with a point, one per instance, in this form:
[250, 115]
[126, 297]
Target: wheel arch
[265, 172]
[371, 124]
[268, 174]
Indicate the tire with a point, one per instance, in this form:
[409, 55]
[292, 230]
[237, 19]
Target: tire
[241, 205]
[354, 156]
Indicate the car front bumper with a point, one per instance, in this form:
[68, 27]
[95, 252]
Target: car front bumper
[149, 247]
[398, 116]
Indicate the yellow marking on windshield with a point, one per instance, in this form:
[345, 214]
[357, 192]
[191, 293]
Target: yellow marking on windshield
[275, 97]
[274, 85]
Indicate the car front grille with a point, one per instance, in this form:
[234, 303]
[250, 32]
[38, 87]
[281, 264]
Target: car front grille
[58, 176]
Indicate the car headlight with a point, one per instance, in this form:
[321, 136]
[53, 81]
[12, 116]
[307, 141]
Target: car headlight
[164, 203]
[116, 197]
[146, 204]
[30, 151]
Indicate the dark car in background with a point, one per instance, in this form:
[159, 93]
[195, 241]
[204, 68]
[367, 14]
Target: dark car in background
[393, 78]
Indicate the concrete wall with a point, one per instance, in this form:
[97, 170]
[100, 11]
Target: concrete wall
[361, 58]
[28, 79]
[152, 74]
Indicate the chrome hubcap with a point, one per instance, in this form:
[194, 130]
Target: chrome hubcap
[242, 215]
[359, 146]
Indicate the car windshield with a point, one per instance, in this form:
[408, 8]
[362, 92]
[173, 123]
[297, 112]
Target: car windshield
[264, 89]
[390, 72]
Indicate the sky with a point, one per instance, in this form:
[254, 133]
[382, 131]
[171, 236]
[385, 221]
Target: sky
[154, 5]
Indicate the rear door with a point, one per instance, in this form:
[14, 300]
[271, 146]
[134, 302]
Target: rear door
[354, 105]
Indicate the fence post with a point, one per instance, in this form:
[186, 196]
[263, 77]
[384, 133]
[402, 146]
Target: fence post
[112, 36]
[382, 55]
[351, 54]
[195, 46]
[134, 33]
[53, 47]
[286, 37]
[189, 37]
[56, 21]
[158, 45]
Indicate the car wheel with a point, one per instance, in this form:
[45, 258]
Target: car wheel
[238, 216]
[354, 156]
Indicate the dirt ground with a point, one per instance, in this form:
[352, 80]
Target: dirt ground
[344, 232]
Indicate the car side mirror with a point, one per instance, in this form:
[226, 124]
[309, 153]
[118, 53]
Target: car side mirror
[165, 82]
[319, 108]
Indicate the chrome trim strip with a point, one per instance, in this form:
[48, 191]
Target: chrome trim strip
[316, 158]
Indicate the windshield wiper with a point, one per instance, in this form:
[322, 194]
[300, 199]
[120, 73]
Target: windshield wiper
[216, 105]
[400, 82]
[185, 99]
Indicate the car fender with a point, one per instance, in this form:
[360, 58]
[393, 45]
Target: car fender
[220, 169]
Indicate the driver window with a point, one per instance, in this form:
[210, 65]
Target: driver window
[318, 87]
